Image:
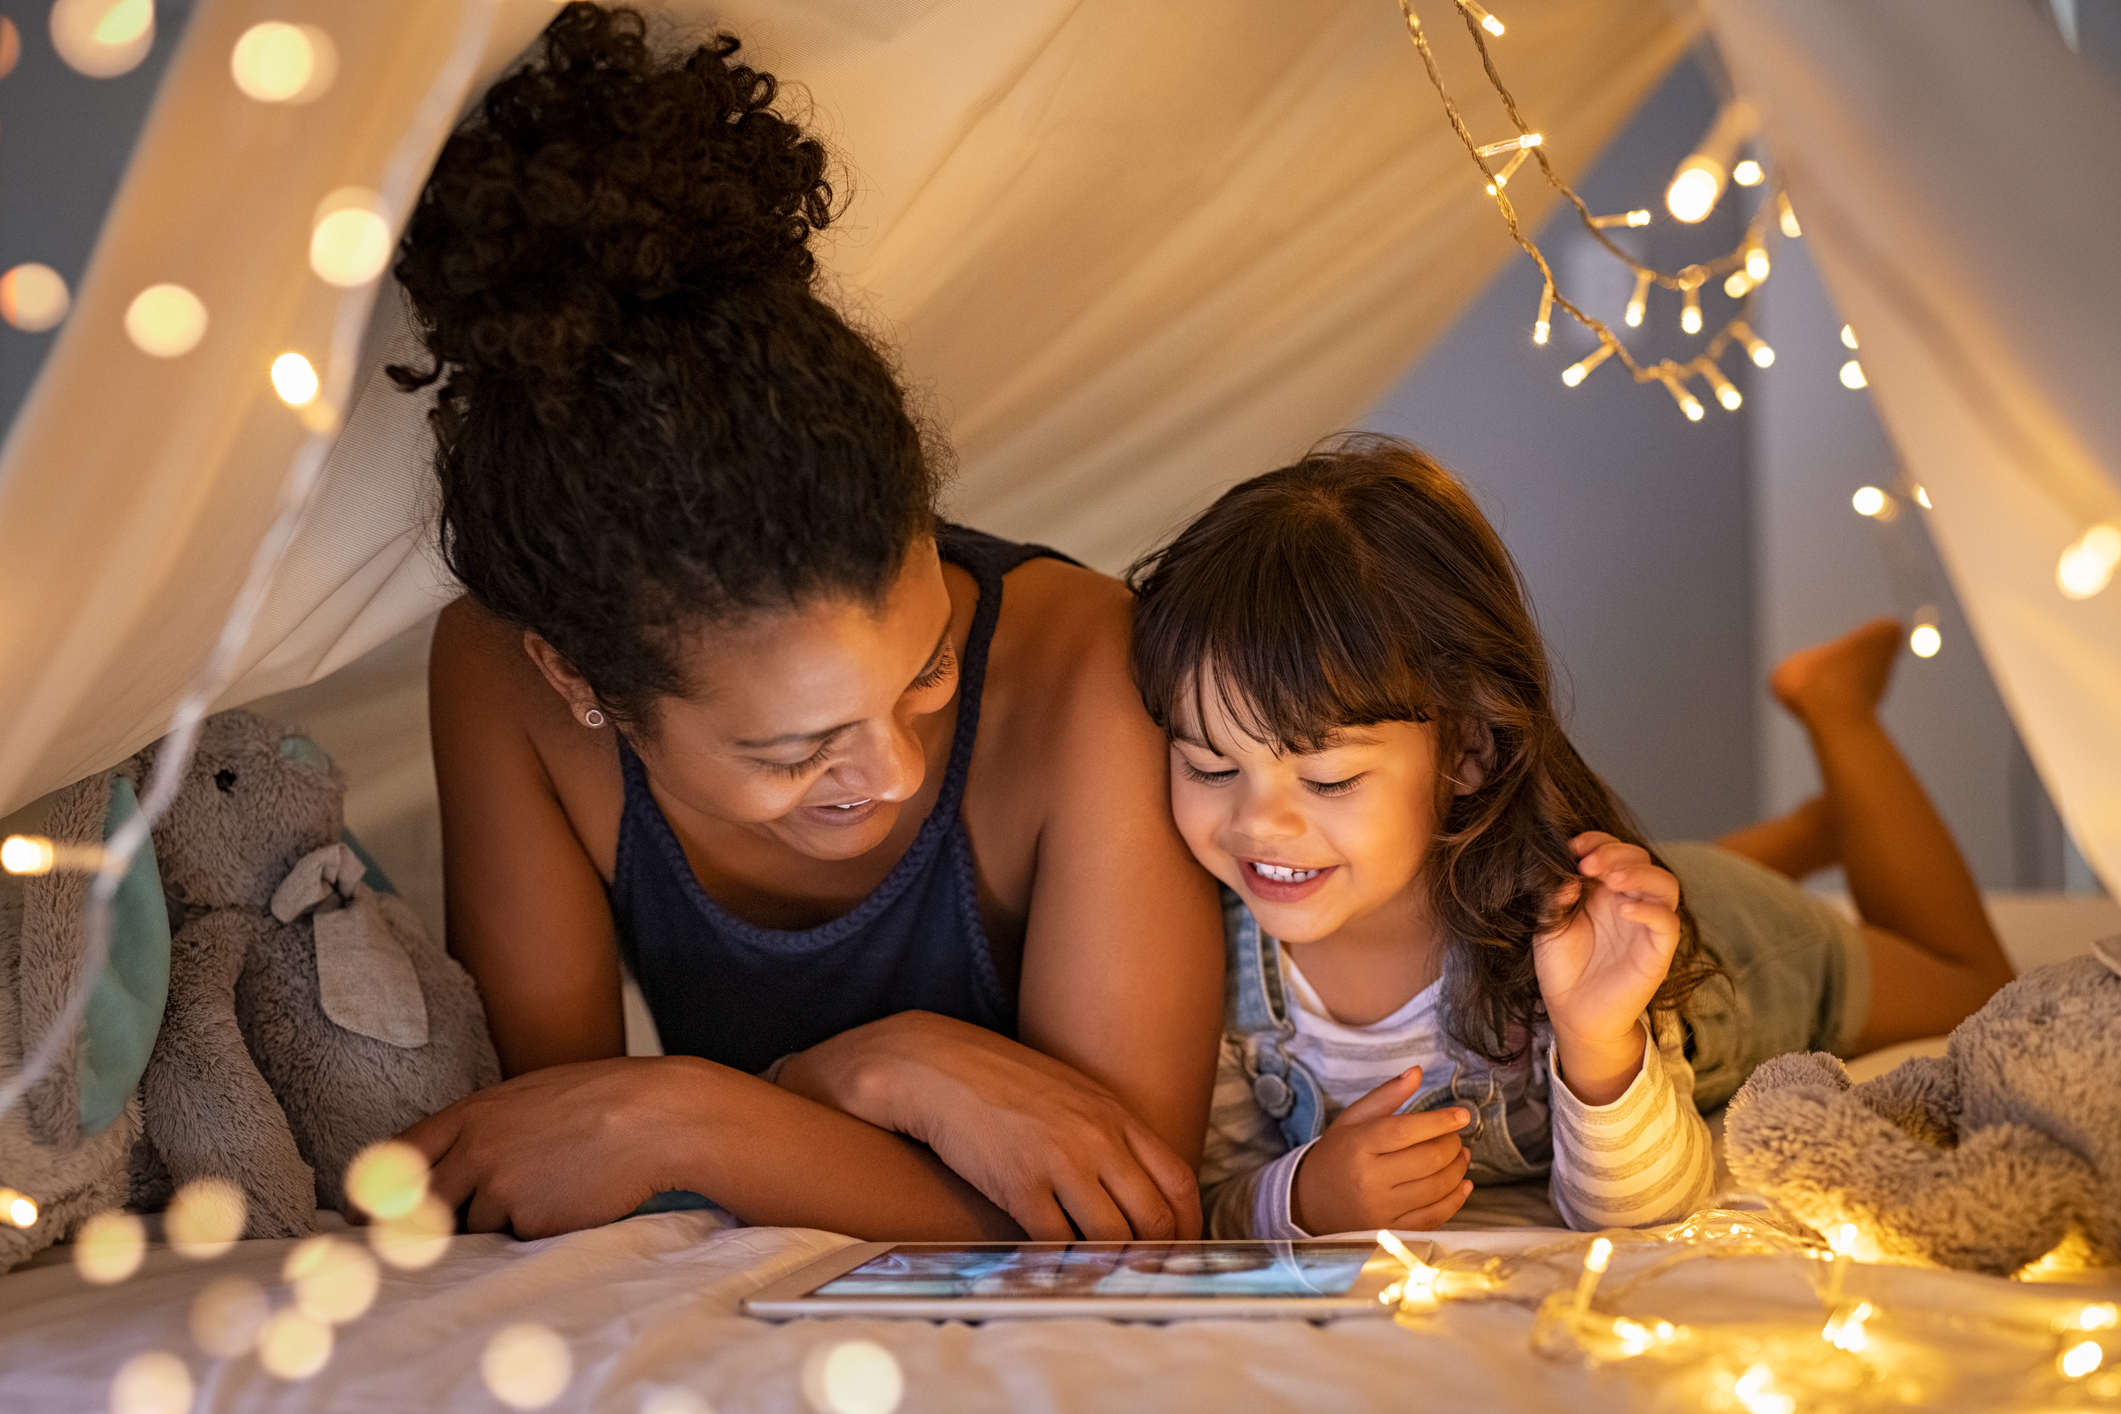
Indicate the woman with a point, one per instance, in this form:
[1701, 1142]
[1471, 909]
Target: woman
[866, 802]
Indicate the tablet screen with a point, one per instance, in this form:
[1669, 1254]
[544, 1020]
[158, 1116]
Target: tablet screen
[1111, 1269]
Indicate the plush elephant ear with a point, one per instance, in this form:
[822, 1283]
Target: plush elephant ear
[89, 1089]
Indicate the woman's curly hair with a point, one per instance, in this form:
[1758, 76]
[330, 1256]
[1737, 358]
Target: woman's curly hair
[647, 419]
[1363, 585]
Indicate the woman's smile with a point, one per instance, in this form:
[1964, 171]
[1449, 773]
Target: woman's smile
[853, 812]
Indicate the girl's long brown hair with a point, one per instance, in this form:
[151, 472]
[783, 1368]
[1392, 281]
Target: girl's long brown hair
[1363, 585]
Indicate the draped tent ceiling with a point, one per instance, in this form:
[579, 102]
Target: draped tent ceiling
[1129, 253]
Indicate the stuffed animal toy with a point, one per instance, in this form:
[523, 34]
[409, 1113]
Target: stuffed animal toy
[2002, 1151]
[308, 1013]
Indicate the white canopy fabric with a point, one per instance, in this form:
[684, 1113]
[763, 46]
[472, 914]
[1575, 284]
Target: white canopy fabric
[1941, 161]
[1130, 252]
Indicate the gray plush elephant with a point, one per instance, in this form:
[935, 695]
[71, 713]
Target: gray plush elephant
[307, 1012]
[2003, 1150]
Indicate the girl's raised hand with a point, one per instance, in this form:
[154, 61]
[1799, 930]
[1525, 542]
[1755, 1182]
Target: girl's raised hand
[1600, 968]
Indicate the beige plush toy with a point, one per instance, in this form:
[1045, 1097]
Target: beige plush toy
[2004, 1150]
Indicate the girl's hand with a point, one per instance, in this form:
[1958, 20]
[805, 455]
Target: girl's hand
[1375, 1168]
[1600, 968]
[1042, 1142]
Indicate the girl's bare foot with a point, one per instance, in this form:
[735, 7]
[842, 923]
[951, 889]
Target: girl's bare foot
[1843, 678]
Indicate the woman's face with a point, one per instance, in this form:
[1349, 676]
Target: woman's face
[801, 725]
[1311, 841]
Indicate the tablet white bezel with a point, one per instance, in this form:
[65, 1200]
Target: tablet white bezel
[790, 1297]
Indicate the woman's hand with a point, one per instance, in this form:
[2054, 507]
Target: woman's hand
[1043, 1143]
[1600, 968]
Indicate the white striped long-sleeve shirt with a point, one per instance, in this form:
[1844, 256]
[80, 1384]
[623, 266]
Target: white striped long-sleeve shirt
[1641, 1160]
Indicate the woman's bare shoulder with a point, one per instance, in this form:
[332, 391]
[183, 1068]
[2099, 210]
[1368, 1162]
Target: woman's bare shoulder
[1060, 651]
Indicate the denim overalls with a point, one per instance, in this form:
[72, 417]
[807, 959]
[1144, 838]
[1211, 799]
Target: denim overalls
[1256, 1013]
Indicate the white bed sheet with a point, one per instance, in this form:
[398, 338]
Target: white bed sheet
[651, 1302]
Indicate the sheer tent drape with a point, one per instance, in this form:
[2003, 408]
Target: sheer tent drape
[1952, 167]
[1130, 252]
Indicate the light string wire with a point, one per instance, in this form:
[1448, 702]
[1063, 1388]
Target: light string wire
[1692, 278]
[403, 174]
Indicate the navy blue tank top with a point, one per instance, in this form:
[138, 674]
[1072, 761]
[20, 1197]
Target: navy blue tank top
[745, 996]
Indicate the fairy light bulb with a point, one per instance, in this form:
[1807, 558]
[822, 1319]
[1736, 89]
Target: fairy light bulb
[1688, 403]
[27, 854]
[1737, 284]
[1852, 376]
[2081, 1359]
[2099, 1316]
[1515, 144]
[1848, 337]
[1509, 170]
[165, 321]
[1869, 501]
[17, 1209]
[152, 1382]
[1480, 16]
[1698, 183]
[1755, 347]
[350, 242]
[109, 1247]
[1694, 190]
[1640, 300]
[852, 1377]
[1748, 173]
[293, 1345]
[294, 379]
[2088, 565]
[1756, 1393]
[33, 297]
[1924, 640]
[1786, 216]
[103, 38]
[1690, 312]
[1844, 1329]
[1726, 391]
[1756, 263]
[1543, 325]
[276, 62]
[1624, 218]
[1576, 372]
[1595, 1262]
[1922, 496]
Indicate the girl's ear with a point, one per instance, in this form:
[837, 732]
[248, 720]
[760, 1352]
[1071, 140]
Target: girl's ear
[1476, 758]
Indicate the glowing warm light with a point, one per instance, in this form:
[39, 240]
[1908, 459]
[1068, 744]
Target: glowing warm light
[27, 854]
[1496, 149]
[1694, 190]
[17, 1208]
[1625, 218]
[1486, 21]
[1925, 640]
[1688, 404]
[1748, 173]
[282, 63]
[1726, 391]
[1786, 216]
[293, 1345]
[1690, 312]
[418, 1239]
[108, 1248]
[1844, 1329]
[2088, 565]
[10, 46]
[351, 242]
[1756, 347]
[2100, 1316]
[1634, 1336]
[853, 1377]
[1737, 284]
[1509, 170]
[1599, 1257]
[387, 1179]
[165, 321]
[103, 38]
[152, 1382]
[1756, 1393]
[334, 1282]
[1544, 324]
[33, 297]
[2082, 1358]
[1848, 336]
[227, 1316]
[293, 379]
[1852, 375]
[526, 1366]
[205, 1218]
[1868, 501]
[1756, 263]
[1639, 301]
[1576, 372]
[1922, 497]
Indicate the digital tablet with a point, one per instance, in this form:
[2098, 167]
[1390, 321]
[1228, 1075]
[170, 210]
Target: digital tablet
[1123, 1281]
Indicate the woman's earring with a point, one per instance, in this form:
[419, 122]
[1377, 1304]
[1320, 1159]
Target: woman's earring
[592, 718]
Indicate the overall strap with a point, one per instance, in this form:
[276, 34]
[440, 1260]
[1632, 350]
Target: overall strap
[1256, 1012]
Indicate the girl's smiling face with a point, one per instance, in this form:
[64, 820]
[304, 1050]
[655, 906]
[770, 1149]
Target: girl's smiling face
[1312, 841]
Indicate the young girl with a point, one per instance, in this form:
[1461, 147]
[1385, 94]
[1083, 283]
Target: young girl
[1452, 958]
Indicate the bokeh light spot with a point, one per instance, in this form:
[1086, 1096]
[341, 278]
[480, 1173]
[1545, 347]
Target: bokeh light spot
[418, 1239]
[334, 1281]
[853, 1377]
[1925, 641]
[10, 46]
[526, 1366]
[152, 1382]
[294, 379]
[166, 321]
[670, 1399]
[276, 62]
[33, 297]
[16, 1208]
[293, 1345]
[227, 1315]
[103, 38]
[205, 1218]
[351, 241]
[108, 1247]
[387, 1180]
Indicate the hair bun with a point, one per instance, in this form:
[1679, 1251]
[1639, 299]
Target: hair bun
[596, 181]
